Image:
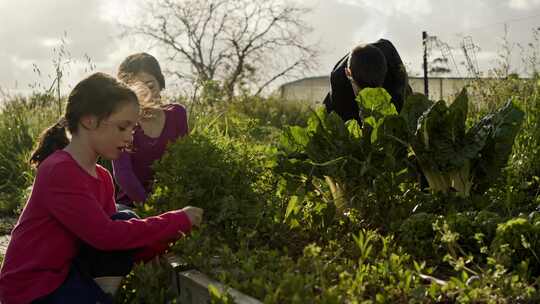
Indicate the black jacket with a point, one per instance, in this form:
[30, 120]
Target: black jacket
[341, 98]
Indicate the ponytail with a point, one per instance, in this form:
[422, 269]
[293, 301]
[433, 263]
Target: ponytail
[52, 139]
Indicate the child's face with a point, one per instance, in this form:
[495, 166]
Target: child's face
[115, 133]
[146, 86]
[354, 85]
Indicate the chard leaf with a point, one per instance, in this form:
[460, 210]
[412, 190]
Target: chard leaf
[333, 124]
[441, 148]
[461, 180]
[375, 102]
[457, 116]
[314, 120]
[498, 130]
[294, 139]
[413, 108]
[433, 142]
[355, 131]
[440, 135]
[392, 139]
[375, 125]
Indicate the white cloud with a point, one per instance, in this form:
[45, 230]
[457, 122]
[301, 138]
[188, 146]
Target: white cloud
[34, 31]
[371, 31]
[119, 10]
[523, 4]
[54, 42]
[32, 28]
[21, 63]
[411, 8]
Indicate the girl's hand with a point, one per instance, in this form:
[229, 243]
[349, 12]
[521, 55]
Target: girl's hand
[194, 214]
[143, 92]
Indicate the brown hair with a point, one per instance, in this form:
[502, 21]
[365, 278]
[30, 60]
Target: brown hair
[368, 66]
[99, 94]
[140, 62]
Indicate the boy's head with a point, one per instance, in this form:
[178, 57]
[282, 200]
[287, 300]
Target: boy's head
[142, 68]
[366, 67]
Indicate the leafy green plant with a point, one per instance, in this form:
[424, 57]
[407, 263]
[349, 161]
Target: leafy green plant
[524, 161]
[318, 257]
[16, 141]
[22, 119]
[516, 245]
[350, 158]
[454, 158]
[416, 235]
[148, 283]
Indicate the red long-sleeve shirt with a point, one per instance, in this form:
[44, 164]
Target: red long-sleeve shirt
[69, 206]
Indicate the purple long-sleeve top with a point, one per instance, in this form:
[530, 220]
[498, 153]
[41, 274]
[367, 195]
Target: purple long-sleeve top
[132, 171]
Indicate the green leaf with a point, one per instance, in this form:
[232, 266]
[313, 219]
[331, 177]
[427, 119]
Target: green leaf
[414, 106]
[375, 105]
[293, 207]
[440, 145]
[300, 135]
[371, 121]
[432, 135]
[450, 156]
[392, 137]
[499, 131]
[393, 129]
[294, 139]
[376, 101]
[457, 117]
[440, 135]
[355, 131]
[375, 124]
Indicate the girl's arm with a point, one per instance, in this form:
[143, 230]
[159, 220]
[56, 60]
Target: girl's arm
[126, 179]
[71, 202]
[182, 121]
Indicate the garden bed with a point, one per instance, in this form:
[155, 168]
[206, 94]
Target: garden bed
[195, 287]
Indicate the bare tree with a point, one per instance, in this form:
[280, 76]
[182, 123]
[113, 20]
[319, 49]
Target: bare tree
[240, 44]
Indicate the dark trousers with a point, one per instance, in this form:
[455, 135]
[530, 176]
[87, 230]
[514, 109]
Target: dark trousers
[79, 286]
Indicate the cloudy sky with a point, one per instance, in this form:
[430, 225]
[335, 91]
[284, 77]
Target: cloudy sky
[31, 31]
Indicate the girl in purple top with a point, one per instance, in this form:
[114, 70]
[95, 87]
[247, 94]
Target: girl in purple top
[159, 125]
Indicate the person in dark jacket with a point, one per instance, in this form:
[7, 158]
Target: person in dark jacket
[369, 65]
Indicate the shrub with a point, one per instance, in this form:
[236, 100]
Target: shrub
[516, 245]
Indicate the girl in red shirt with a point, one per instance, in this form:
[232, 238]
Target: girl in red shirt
[72, 201]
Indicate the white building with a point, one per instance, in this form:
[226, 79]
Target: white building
[314, 89]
